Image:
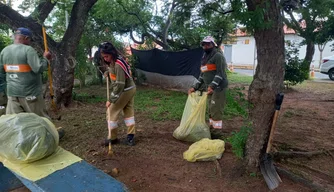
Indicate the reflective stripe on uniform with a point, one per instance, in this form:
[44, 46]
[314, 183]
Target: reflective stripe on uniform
[129, 121]
[19, 68]
[127, 89]
[219, 77]
[214, 82]
[113, 95]
[13, 76]
[30, 98]
[208, 67]
[120, 82]
[113, 124]
[217, 124]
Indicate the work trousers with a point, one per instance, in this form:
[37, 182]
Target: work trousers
[124, 104]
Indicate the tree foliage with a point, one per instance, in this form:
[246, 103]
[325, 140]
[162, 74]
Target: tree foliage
[4, 41]
[330, 27]
[295, 70]
[174, 25]
[4, 38]
[254, 18]
[91, 37]
[309, 18]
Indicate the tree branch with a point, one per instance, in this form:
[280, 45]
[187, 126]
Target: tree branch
[226, 12]
[317, 171]
[321, 47]
[16, 20]
[297, 154]
[10, 17]
[79, 16]
[134, 39]
[294, 24]
[140, 20]
[221, 12]
[168, 23]
[299, 179]
[42, 11]
[159, 43]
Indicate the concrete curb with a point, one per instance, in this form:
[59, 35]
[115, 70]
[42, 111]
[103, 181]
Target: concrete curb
[250, 67]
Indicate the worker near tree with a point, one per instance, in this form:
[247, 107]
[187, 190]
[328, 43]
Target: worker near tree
[213, 78]
[22, 69]
[122, 93]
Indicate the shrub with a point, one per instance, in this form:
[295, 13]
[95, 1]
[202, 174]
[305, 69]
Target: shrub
[295, 70]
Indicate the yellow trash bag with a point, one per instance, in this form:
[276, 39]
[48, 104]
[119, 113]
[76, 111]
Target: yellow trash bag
[27, 137]
[193, 127]
[205, 150]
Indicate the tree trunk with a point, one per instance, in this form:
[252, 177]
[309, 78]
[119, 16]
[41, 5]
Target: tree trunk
[309, 53]
[321, 48]
[167, 25]
[63, 69]
[63, 78]
[268, 79]
[63, 62]
[320, 59]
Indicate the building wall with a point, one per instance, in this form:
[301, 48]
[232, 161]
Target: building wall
[302, 51]
[243, 50]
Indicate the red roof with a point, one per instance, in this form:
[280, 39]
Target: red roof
[243, 33]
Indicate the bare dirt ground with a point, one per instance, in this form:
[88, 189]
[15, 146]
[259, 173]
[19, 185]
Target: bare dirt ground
[156, 162]
[306, 124]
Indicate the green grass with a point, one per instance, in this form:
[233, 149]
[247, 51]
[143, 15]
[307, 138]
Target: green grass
[238, 140]
[163, 105]
[169, 105]
[236, 104]
[289, 114]
[84, 97]
[239, 78]
[160, 104]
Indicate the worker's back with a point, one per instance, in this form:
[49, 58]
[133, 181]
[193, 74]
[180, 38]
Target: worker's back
[23, 68]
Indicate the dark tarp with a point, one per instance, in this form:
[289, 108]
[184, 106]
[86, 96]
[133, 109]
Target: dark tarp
[169, 63]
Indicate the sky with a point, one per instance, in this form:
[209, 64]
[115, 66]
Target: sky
[15, 5]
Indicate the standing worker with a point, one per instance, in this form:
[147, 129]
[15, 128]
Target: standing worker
[122, 93]
[23, 70]
[213, 77]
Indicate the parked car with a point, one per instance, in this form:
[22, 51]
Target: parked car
[327, 66]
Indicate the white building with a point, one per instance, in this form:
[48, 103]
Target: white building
[243, 51]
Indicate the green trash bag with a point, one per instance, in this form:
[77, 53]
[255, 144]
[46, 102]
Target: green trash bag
[193, 126]
[27, 137]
